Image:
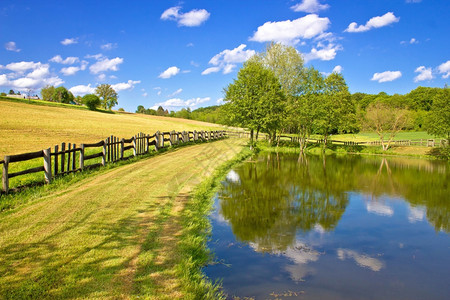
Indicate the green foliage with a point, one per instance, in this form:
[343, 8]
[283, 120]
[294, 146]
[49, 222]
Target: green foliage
[3, 94]
[91, 101]
[439, 117]
[47, 92]
[255, 99]
[108, 96]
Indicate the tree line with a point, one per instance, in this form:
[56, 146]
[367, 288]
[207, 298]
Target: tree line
[274, 92]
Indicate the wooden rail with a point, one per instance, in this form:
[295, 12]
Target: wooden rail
[68, 158]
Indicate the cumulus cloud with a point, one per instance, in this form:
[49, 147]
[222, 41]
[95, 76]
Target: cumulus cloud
[309, 6]
[192, 18]
[105, 64]
[386, 76]
[424, 74]
[158, 89]
[69, 71]
[177, 103]
[337, 69]
[170, 72]
[375, 22]
[227, 59]
[68, 61]
[11, 46]
[291, 32]
[444, 69]
[28, 75]
[125, 85]
[71, 41]
[81, 90]
[322, 52]
[416, 214]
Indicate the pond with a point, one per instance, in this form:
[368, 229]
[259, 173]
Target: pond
[334, 227]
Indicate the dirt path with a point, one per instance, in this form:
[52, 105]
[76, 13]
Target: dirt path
[109, 236]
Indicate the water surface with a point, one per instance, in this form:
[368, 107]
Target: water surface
[346, 227]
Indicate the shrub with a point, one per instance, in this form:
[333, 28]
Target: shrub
[91, 101]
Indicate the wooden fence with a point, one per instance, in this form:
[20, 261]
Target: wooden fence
[418, 142]
[68, 158]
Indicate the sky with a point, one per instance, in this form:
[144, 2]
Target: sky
[184, 53]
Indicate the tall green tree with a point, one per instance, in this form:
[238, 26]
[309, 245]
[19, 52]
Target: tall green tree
[107, 95]
[255, 99]
[47, 92]
[439, 115]
[62, 95]
[91, 101]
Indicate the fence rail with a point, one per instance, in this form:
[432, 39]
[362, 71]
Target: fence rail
[68, 158]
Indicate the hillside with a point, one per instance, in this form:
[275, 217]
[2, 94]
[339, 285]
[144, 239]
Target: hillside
[25, 127]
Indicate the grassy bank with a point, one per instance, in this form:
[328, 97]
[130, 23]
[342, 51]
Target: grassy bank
[128, 232]
[410, 151]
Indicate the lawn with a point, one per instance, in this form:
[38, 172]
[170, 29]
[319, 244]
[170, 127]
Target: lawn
[115, 235]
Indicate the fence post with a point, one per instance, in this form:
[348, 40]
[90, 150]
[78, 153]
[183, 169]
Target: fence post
[56, 160]
[48, 165]
[5, 178]
[63, 156]
[104, 152]
[146, 143]
[161, 135]
[134, 145]
[156, 141]
[81, 157]
[122, 145]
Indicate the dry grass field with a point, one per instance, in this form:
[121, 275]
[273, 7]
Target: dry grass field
[27, 128]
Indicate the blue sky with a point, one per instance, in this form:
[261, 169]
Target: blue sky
[184, 53]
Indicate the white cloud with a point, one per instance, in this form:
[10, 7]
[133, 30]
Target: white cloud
[233, 177]
[177, 103]
[81, 90]
[22, 66]
[444, 68]
[192, 18]
[386, 76]
[413, 41]
[309, 6]
[11, 46]
[28, 75]
[71, 41]
[170, 72]
[68, 61]
[108, 46]
[361, 260]
[290, 32]
[413, 1]
[175, 93]
[326, 53]
[227, 59]
[125, 85]
[424, 74]
[211, 70]
[337, 69]
[145, 94]
[101, 77]
[375, 22]
[105, 64]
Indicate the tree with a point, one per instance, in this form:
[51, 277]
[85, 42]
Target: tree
[439, 115]
[47, 92]
[386, 121]
[91, 101]
[107, 94]
[62, 95]
[11, 92]
[160, 111]
[255, 99]
[140, 109]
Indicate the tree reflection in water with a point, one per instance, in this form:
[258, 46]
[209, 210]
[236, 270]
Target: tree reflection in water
[274, 196]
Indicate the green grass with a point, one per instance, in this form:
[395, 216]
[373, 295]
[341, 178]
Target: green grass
[118, 234]
[373, 136]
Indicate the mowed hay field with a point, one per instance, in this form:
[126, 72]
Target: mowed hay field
[27, 128]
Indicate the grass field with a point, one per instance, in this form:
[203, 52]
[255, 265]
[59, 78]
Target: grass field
[27, 128]
[373, 136]
[117, 235]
